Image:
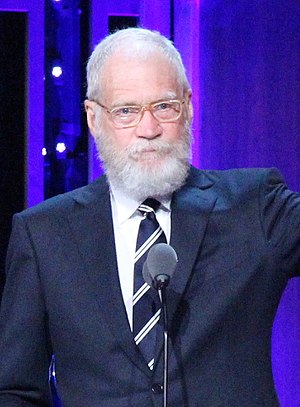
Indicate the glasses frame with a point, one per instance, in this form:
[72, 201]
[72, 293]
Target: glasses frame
[143, 108]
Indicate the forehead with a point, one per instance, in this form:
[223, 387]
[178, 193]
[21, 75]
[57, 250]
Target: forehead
[138, 80]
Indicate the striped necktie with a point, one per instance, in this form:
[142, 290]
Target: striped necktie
[146, 307]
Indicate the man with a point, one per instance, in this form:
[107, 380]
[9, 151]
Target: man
[70, 265]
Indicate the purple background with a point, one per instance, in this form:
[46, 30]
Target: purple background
[250, 104]
[243, 61]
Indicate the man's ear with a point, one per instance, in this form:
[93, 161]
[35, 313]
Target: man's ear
[190, 110]
[90, 116]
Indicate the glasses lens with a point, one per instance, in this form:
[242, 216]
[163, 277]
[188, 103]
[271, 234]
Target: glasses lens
[125, 115]
[167, 110]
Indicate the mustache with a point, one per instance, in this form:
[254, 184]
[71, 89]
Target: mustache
[143, 146]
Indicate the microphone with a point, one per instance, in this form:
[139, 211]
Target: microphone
[160, 265]
[158, 269]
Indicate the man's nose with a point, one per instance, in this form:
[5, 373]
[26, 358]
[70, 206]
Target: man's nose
[149, 126]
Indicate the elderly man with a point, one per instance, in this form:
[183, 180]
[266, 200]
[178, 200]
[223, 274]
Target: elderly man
[74, 287]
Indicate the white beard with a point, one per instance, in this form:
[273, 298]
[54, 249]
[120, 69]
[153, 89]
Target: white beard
[140, 173]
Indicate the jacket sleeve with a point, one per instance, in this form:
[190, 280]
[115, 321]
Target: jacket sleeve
[280, 217]
[24, 346]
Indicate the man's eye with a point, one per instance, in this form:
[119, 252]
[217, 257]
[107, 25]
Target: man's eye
[163, 106]
[125, 111]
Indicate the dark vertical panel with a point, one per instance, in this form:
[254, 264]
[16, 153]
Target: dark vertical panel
[66, 44]
[81, 150]
[118, 22]
[172, 20]
[12, 122]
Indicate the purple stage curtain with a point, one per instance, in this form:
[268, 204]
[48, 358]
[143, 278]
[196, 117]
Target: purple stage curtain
[250, 117]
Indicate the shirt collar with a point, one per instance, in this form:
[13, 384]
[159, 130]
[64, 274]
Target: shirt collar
[126, 206]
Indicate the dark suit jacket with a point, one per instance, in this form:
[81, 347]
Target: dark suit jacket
[237, 236]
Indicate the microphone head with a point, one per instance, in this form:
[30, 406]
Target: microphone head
[160, 265]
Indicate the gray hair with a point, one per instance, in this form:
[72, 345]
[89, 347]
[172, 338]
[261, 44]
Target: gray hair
[133, 42]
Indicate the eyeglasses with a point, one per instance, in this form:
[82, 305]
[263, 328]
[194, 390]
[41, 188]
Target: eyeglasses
[164, 111]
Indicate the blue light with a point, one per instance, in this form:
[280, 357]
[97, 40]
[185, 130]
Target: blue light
[61, 147]
[57, 71]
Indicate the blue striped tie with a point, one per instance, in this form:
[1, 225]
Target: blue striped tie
[146, 311]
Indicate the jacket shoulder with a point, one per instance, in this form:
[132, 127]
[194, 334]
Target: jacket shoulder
[242, 178]
[62, 203]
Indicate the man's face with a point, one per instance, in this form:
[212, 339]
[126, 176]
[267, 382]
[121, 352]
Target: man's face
[151, 157]
[137, 82]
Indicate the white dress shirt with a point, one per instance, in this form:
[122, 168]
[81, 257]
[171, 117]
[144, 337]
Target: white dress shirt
[126, 221]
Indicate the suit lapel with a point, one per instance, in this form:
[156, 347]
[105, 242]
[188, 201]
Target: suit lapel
[92, 227]
[191, 209]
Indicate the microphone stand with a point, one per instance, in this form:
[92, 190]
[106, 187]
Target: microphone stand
[161, 256]
[162, 296]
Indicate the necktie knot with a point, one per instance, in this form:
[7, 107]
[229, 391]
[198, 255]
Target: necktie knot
[149, 206]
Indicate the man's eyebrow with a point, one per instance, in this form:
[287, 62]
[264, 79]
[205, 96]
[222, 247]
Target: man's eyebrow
[170, 95]
[123, 103]
[165, 96]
